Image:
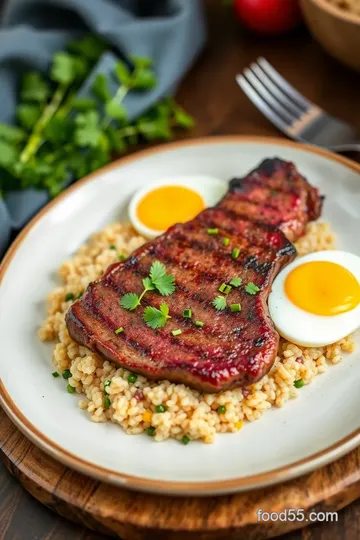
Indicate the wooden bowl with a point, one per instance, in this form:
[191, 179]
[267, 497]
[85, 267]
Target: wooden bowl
[337, 30]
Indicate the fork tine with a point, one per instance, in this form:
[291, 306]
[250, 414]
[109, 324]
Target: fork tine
[276, 91]
[261, 104]
[266, 96]
[282, 83]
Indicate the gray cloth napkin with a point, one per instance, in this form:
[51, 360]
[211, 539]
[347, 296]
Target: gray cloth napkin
[171, 32]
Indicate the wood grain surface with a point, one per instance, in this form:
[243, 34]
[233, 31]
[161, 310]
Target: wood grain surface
[210, 93]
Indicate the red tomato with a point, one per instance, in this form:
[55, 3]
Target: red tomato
[268, 16]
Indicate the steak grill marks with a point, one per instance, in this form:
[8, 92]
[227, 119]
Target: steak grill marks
[259, 215]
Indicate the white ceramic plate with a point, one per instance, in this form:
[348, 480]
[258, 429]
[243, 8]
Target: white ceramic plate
[319, 426]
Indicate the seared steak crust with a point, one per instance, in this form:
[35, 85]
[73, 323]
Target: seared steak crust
[231, 349]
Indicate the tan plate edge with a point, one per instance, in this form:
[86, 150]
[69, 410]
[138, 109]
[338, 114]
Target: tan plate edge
[181, 488]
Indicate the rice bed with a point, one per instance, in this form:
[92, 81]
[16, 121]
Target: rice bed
[189, 414]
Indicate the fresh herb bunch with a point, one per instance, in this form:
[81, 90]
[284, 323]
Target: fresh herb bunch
[60, 136]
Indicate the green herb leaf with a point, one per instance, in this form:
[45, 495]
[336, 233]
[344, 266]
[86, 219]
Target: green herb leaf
[219, 303]
[156, 318]
[164, 283]
[123, 73]
[116, 140]
[91, 46]
[88, 132]
[251, 288]
[8, 154]
[83, 104]
[11, 134]
[100, 88]
[183, 119]
[144, 79]
[141, 61]
[130, 301]
[34, 88]
[236, 282]
[66, 68]
[28, 115]
[116, 111]
[148, 284]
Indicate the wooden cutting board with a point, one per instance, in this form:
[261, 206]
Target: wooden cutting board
[142, 516]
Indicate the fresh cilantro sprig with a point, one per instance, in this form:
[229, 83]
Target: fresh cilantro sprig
[251, 288]
[62, 136]
[158, 280]
[156, 318]
[219, 303]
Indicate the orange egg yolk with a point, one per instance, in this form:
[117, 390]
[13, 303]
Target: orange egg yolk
[322, 288]
[167, 205]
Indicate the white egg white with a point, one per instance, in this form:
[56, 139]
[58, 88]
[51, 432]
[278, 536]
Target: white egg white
[307, 329]
[210, 188]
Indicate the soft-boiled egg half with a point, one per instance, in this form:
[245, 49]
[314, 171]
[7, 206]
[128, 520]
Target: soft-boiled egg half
[315, 300]
[161, 204]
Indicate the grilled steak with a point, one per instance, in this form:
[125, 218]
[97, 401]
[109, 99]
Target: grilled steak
[259, 215]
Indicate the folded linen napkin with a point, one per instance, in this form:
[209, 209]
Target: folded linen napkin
[171, 32]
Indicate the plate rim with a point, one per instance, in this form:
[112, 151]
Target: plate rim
[284, 473]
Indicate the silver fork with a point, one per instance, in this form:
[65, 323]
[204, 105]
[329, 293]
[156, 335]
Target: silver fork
[292, 113]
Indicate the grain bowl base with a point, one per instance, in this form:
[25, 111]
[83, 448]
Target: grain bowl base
[164, 409]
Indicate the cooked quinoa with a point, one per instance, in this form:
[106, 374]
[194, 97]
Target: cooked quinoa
[351, 6]
[164, 409]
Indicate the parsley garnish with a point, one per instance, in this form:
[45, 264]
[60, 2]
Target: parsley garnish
[219, 303]
[236, 282]
[251, 288]
[156, 318]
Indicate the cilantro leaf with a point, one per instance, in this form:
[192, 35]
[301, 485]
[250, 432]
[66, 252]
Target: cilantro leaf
[123, 73]
[11, 134]
[155, 129]
[28, 115]
[236, 282]
[144, 79]
[8, 154]
[164, 283]
[83, 104]
[141, 61]
[100, 88]
[116, 111]
[116, 140]
[251, 288]
[183, 119]
[130, 301]
[156, 318]
[88, 132]
[148, 285]
[219, 303]
[91, 46]
[34, 88]
[66, 68]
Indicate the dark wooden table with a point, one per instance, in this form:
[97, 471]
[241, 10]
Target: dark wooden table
[210, 93]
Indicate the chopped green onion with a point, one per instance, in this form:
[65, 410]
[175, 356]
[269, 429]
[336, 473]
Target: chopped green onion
[112, 246]
[66, 373]
[69, 297]
[160, 408]
[199, 323]
[106, 384]
[227, 289]
[221, 409]
[222, 287]
[187, 313]
[185, 440]
[299, 383]
[70, 389]
[176, 332]
[107, 402]
[226, 241]
[235, 253]
[122, 257]
[213, 231]
[55, 374]
[150, 431]
[132, 378]
[235, 307]
[119, 330]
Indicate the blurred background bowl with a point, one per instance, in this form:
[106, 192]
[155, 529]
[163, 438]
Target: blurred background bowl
[336, 29]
